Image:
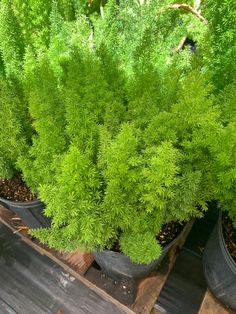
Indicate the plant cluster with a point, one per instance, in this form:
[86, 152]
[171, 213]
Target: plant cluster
[222, 40]
[13, 136]
[128, 132]
[26, 30]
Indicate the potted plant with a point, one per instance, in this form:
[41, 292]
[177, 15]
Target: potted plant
[21, 29]
[17, 31]
[219, 255]
[141, 181]
[219, 260]
[14, 141]
[137, 129]
[27, 29]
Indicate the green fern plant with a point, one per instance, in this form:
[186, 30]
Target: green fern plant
[120, 184]
[222, 40]
[48, 120]
[126, 129]
[142, 179]
[27, 29]
[225, 151]
[14, 139]
[221, 16]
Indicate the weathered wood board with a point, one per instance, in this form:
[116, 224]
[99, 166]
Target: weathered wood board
[78, 261]
[144, 293]
[31, 283]
[210, 305]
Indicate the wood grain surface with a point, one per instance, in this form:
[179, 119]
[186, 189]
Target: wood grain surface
[210, 305]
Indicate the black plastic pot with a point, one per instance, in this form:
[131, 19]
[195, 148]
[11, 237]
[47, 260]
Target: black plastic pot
[31, 213]
[220, 268]
[118, 266]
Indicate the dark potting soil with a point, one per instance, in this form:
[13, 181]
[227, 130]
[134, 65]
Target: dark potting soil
[15, 190]
[229, 235]
[168, 233]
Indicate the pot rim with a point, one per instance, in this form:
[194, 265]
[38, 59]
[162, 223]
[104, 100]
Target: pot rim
[223, 245]
[163, 249]
[5, 201]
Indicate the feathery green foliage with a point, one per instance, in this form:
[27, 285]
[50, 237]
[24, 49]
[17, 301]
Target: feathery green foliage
[13, 139]
[27, 28]
[48, 114]
[145, 177]
[11, 41]
[128, 134]
[222, 40]
[142, 130]
[221, 15]
[225, 151]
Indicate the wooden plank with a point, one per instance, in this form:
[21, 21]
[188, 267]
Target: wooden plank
[6, 218]
[78, 261]
[150, 287]
[32, 283]
[210, 305]
[83, 280]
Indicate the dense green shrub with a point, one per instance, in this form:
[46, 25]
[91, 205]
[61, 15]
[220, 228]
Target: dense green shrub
[221, 15]
[141, 127]
[222, 40]
[128, 133]
[68, 99]
[31, 23]
[27, 28]
[145, 177]
[13, 136]
[48, 120]
[143, 37]
[226, 153]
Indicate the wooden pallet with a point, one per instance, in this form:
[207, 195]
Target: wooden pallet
[131, 297]
[210, 305]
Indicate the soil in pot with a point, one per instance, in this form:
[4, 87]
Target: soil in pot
[16, 190]
[16, 196]
[229, 236]
[119, 266]
[167, 234]
[120, 276]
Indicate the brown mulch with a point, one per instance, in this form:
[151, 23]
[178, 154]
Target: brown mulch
[15, 190]
[229, 235]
